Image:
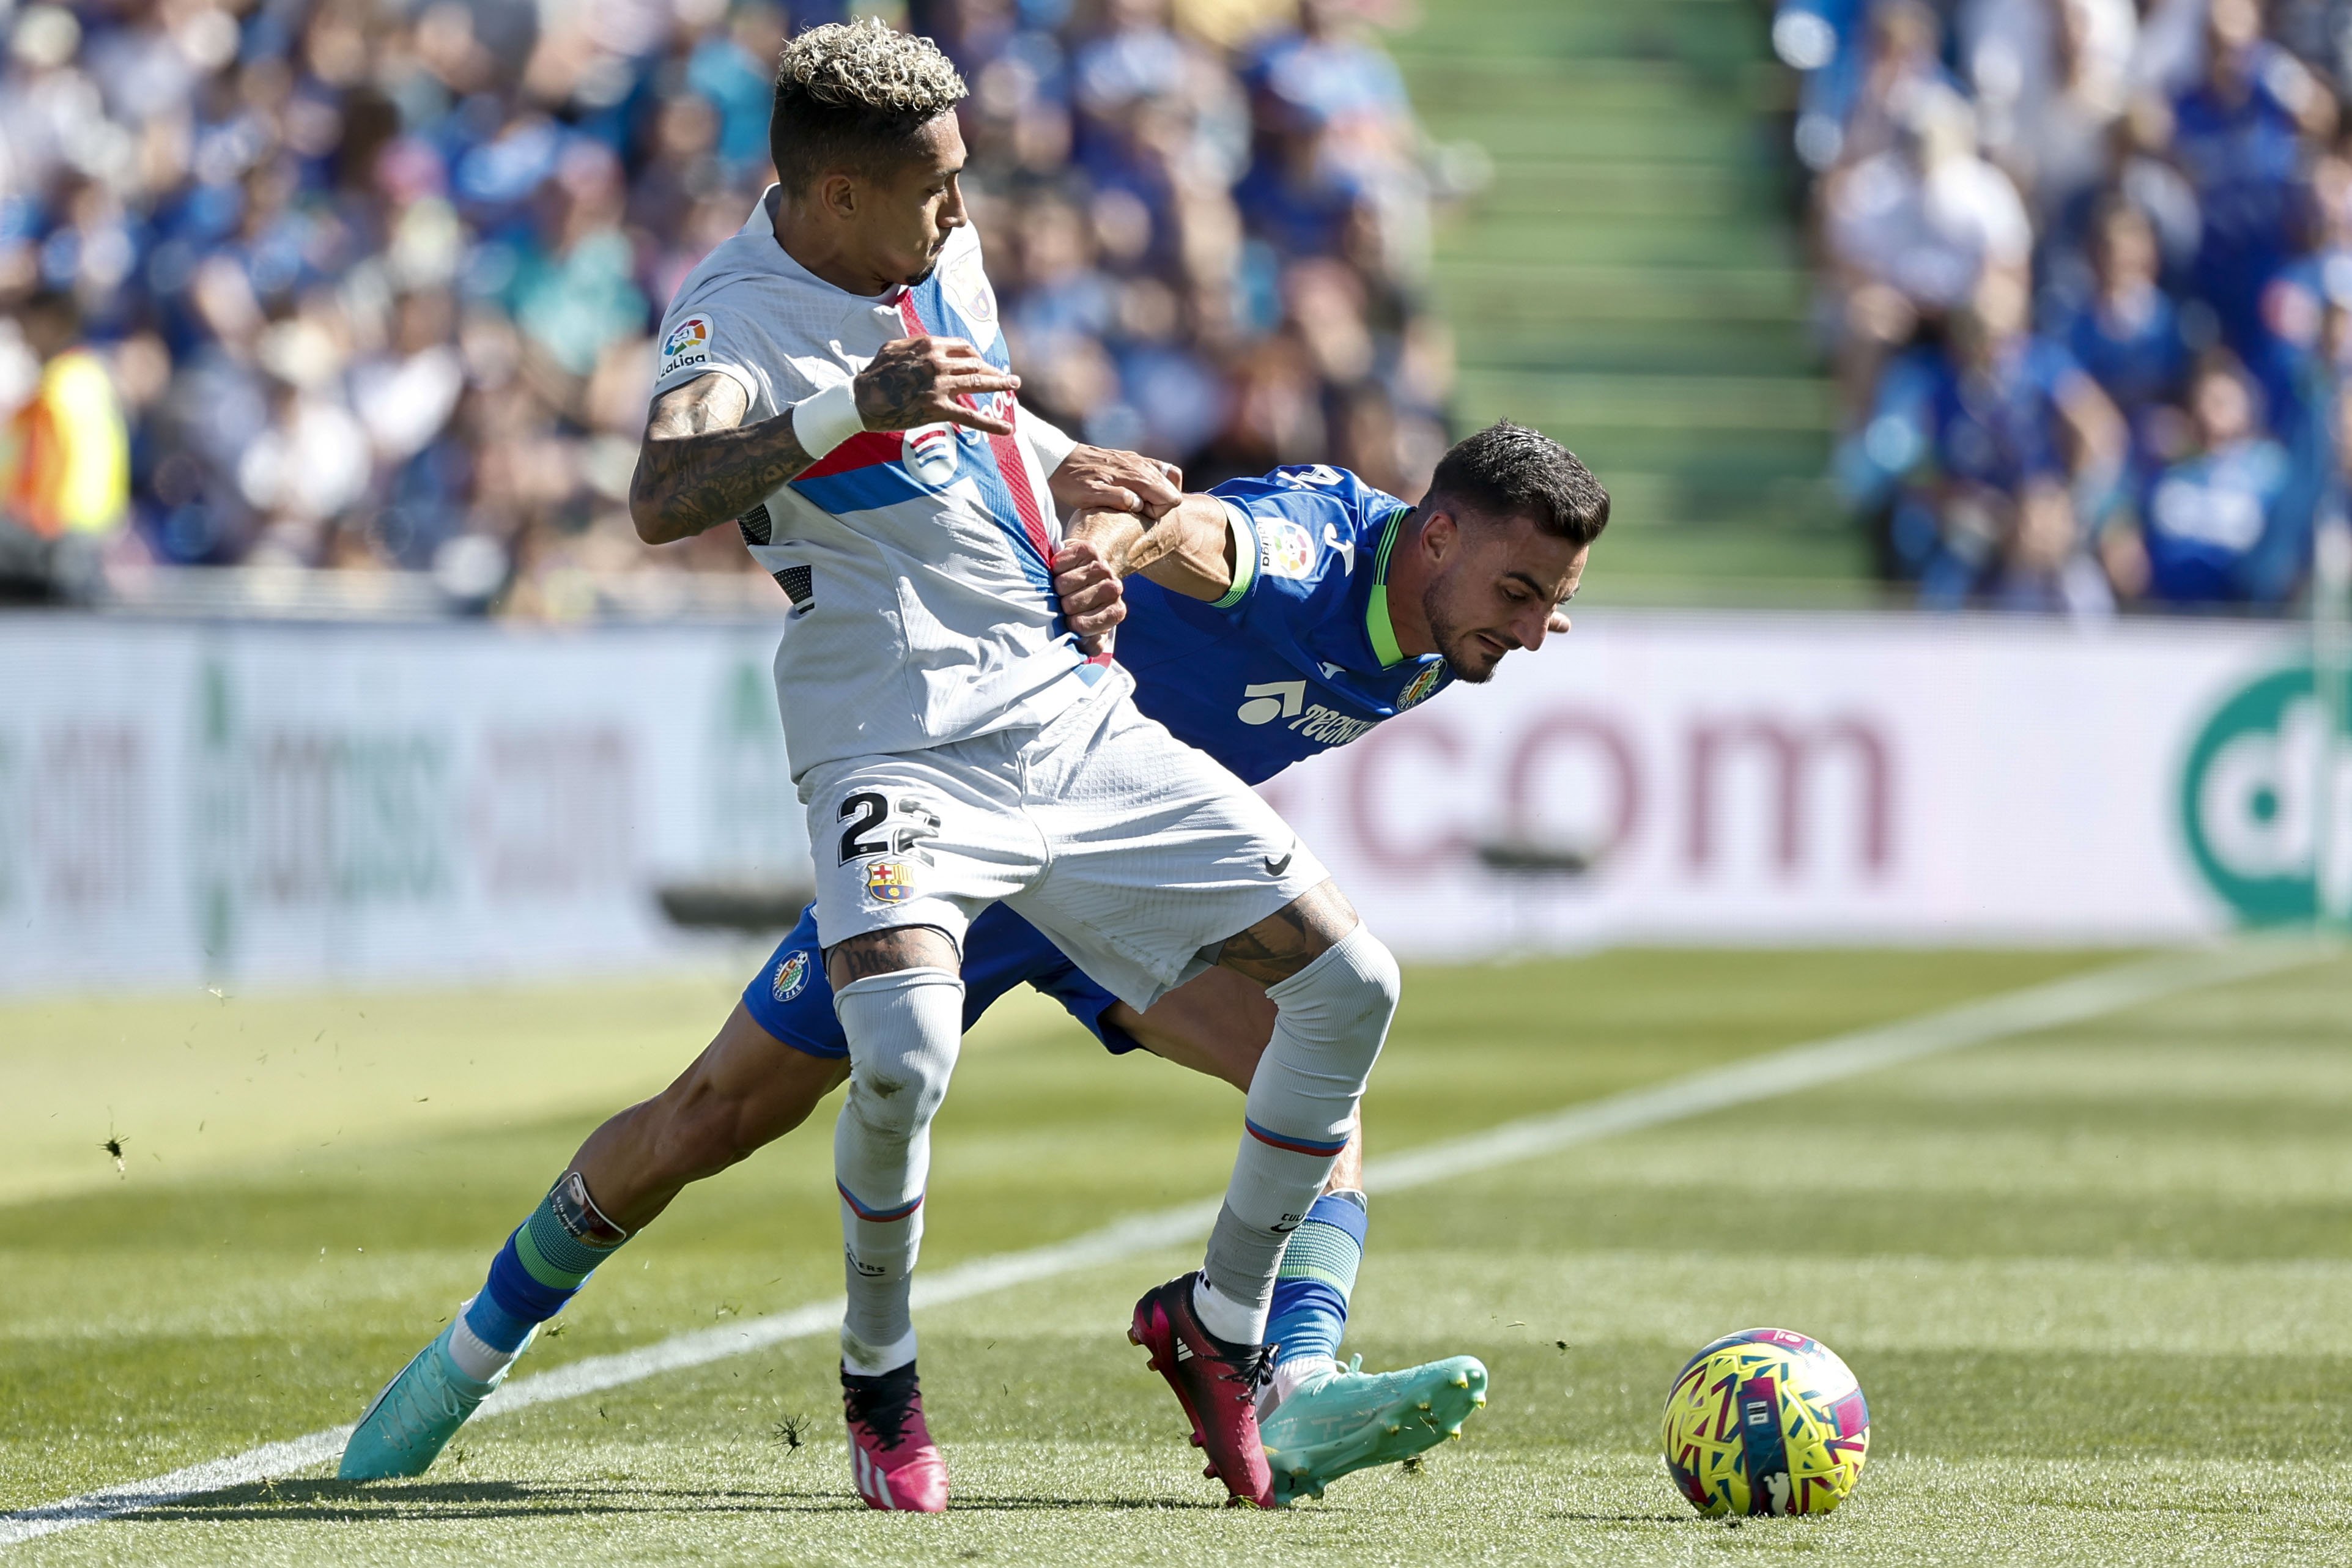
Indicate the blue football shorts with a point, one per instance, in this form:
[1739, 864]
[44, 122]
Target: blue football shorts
[792, 999]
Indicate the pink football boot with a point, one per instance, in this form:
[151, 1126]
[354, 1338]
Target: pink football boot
[1215, 1381]
[891, 1457]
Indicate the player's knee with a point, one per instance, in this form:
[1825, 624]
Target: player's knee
[904, 1029]
[1348, 996]
[896, 1097]
[1384, 982]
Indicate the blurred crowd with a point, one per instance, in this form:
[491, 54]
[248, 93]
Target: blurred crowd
[2086, 277]
[369, 284]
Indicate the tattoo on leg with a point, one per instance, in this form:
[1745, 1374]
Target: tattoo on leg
[1291, 937]
[1274, 949]
[887, 952]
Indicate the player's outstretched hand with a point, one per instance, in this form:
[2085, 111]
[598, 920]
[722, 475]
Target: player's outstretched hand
[1093, 601]
[915, 381]
[1108, 480]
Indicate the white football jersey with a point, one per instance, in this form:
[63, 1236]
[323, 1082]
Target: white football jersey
[916, 563]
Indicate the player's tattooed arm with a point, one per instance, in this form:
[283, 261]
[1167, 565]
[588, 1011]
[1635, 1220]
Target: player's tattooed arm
[915, 381]
[700, 465]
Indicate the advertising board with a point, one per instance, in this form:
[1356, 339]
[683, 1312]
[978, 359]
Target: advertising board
[186, 804]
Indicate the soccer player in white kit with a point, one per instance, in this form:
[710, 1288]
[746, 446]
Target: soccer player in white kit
[833, 378]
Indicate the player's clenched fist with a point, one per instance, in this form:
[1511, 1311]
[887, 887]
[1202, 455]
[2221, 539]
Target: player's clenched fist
[1093, 601]
[913, 382]
[1105, 478]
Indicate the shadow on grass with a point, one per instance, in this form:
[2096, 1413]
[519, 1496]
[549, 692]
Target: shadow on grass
[358, 1502]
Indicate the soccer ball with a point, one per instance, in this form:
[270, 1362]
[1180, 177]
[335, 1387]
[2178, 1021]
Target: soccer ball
[1765, 1421]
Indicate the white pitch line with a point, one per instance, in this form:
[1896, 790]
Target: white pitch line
[1780, 1072]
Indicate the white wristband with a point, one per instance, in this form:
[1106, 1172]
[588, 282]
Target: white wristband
[824, 421]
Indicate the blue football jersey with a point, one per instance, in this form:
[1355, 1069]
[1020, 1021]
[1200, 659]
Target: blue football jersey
[1300, 656]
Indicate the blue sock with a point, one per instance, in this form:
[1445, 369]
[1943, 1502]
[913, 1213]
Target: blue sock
[1316, 1277]
[542, 1264]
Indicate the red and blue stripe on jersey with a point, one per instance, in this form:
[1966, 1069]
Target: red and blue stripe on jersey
[869, 471]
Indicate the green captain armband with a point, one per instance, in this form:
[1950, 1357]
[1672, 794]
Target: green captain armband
[1245, 558]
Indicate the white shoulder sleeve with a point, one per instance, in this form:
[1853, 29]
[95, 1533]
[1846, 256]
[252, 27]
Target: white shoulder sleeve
[1052, 443]
[701, 335]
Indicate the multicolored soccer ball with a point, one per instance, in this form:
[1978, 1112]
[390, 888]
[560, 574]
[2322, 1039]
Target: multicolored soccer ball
[1766, 1421]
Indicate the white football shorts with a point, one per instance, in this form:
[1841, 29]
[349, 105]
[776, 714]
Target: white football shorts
[1131, 850]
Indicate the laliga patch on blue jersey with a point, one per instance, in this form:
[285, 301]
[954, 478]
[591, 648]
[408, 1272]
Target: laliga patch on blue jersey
[1285, 549]
[791, 977]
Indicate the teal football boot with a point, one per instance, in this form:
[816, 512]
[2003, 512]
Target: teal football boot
[404, 1430]
[1347, 1421]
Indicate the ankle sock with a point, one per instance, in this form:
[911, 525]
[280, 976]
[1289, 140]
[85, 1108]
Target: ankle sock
[1235, 1323]
[1316, 1277]
[862, 1360]
[542, 1264]
[1311, 1291]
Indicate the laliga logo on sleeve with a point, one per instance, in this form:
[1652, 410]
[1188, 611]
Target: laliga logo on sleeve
[1285, 549]
[930, 453]
[689, 344]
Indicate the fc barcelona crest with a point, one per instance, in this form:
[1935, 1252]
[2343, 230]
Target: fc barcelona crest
[889, 881]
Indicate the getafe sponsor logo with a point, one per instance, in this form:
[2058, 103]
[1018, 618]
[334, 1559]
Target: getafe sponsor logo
[1284, 548]
[689, 344]
[1327, 727]
[791, 977]
[1422, 685]
[1271, 700]
[891, 881]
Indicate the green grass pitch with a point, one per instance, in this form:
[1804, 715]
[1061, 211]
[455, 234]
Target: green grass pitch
[2097, 1282]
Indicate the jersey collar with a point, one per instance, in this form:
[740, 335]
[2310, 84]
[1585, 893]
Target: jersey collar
[1377, 624]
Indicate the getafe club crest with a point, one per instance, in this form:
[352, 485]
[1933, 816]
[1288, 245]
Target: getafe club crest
[931, 455]
[1422, 685]
[791, 977]
[889, 881]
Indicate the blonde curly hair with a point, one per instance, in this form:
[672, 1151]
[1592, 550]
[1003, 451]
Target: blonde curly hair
[872, 66]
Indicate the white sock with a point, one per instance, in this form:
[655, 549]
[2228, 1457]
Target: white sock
[1235, 1323]
[1287, 1376]
[872, 1361]
[903, 1029]
[475, 1356]
[1331, 1020]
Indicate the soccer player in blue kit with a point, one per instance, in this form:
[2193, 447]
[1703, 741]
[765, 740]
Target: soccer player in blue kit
[1265, 622]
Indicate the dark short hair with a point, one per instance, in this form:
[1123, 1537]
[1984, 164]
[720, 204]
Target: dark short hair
[853, 95]
[1508, 470]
